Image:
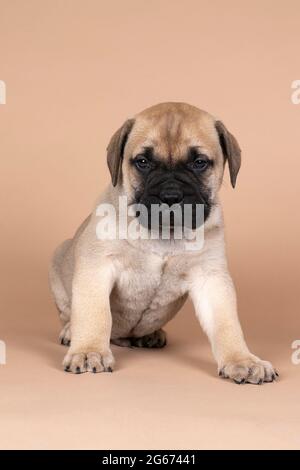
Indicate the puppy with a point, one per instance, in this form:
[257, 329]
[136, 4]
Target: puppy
[123, 290]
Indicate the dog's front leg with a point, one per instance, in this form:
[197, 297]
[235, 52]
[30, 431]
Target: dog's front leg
[90, 320]
[215, 306]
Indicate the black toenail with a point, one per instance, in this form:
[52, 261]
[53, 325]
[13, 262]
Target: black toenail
[109, 369]
[239, 382]
[67, 368]
[94, 370]
[77, 370]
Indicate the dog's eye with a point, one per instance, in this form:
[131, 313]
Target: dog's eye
[142, 163]
[199, 164]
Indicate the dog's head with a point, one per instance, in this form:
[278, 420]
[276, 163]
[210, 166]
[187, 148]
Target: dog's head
[172, 153]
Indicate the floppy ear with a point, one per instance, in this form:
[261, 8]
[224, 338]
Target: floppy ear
[231, 151]
[115, 150]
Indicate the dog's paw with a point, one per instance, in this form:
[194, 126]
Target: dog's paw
[252, 371]
[65, 335]
[94, 362]
[158, 339]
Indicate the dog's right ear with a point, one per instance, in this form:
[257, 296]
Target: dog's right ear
[115, 150]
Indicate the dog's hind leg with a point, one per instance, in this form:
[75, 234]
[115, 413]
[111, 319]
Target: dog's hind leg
[65, 335]
[59, 291]
[157, 339]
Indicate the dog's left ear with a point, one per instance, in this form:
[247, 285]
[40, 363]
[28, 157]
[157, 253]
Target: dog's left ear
[115, 150]
[231, 151]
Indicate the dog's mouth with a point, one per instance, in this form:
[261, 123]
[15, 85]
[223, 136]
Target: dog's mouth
[159, 216]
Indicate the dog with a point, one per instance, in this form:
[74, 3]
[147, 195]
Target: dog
[124, 290]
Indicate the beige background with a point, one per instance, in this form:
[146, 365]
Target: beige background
[74, 71]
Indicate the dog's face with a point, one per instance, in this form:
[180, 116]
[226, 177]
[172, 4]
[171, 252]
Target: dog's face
[172, 153]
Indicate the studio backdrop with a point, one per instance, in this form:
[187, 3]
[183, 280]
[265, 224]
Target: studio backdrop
[71, 73]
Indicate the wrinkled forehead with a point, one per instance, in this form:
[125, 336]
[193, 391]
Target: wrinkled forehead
[172, 133]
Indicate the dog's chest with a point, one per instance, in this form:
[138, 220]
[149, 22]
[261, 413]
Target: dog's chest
[147, 288]
[152, 280]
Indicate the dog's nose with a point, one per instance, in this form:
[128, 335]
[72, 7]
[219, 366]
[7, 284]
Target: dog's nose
[171, 196]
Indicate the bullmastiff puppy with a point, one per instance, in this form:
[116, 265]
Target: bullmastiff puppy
[124, 289]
